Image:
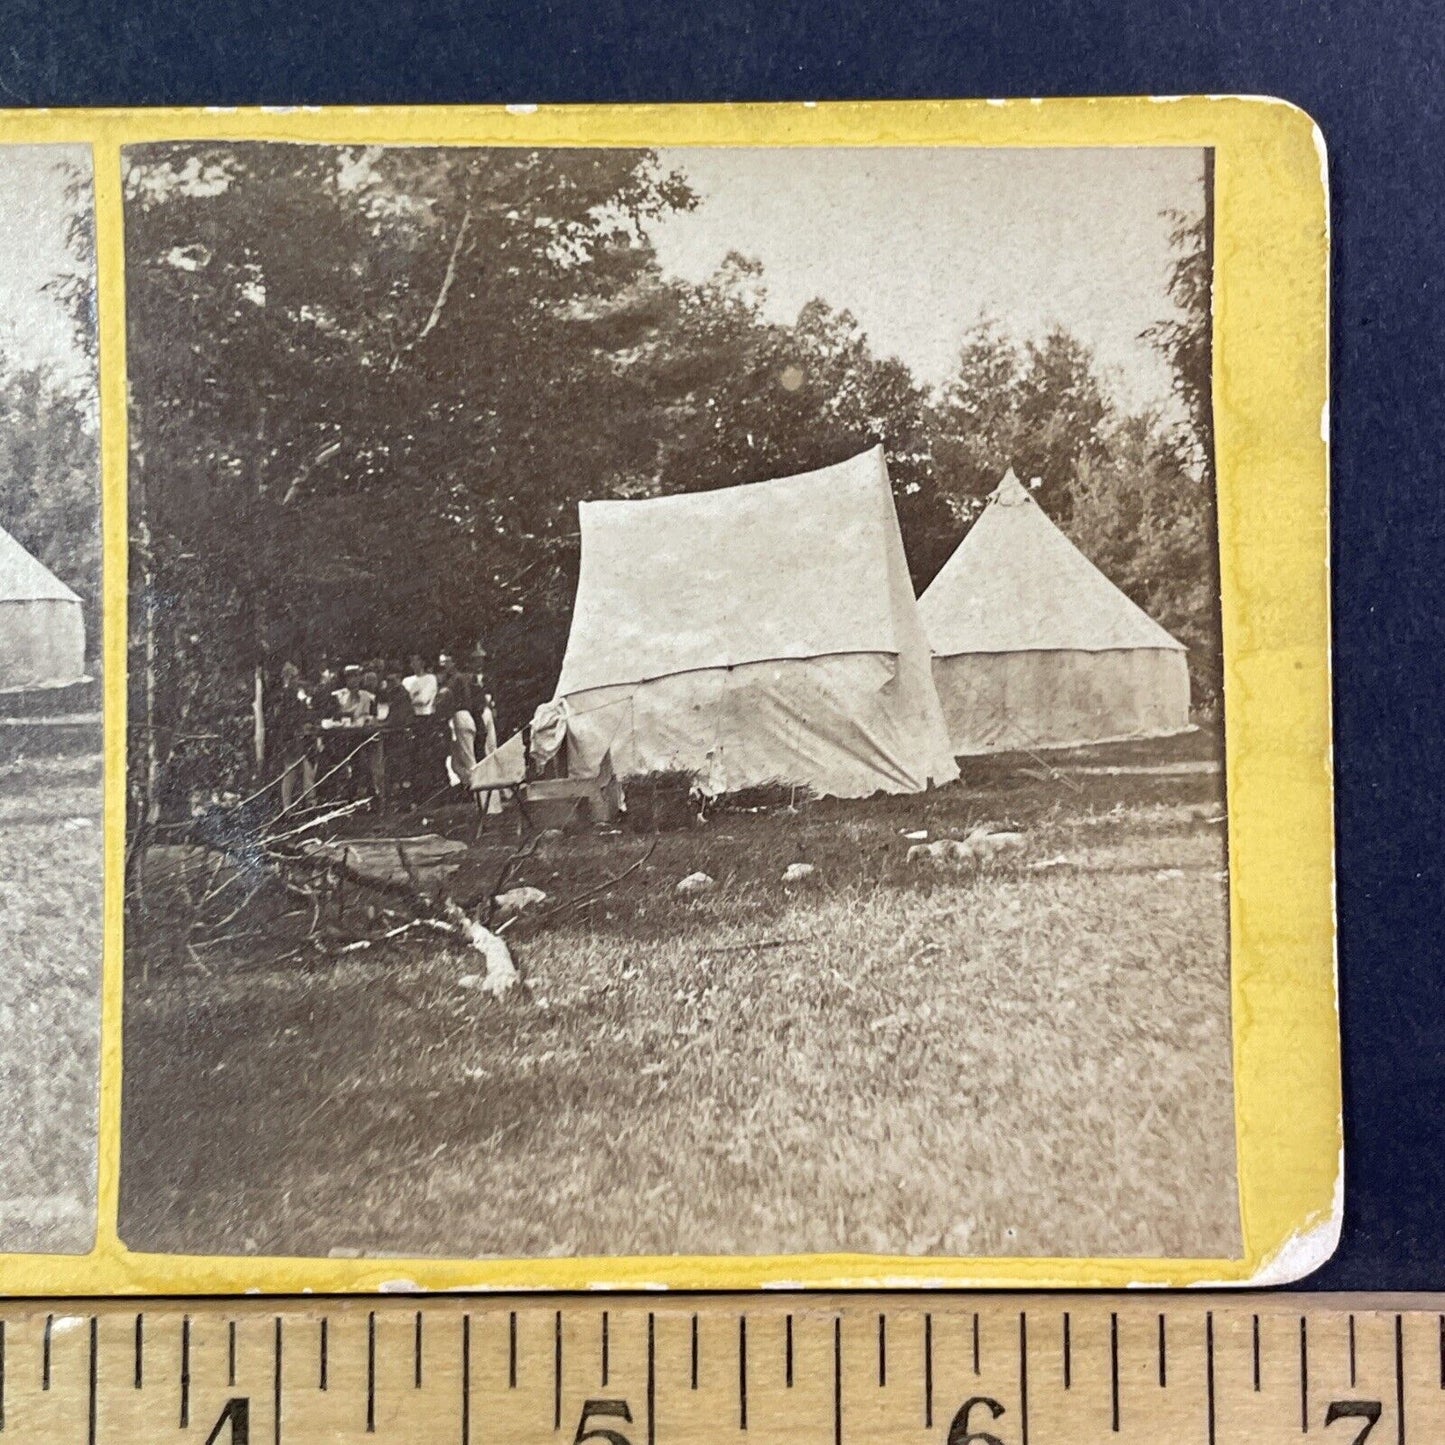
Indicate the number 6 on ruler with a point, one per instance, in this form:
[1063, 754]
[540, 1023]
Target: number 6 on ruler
[958, 1431]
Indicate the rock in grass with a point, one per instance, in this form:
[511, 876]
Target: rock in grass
[979, 845]
[984, 845]
[797, 872]
[518, 900]
[696, 883]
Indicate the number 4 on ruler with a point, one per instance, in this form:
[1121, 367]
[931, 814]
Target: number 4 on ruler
[236, 1414]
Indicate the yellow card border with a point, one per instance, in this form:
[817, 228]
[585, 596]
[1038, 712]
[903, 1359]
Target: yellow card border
[1271, 411]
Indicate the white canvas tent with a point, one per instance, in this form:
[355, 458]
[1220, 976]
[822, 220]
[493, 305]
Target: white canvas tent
[755, 634]
[1034, 647]
[42, 636]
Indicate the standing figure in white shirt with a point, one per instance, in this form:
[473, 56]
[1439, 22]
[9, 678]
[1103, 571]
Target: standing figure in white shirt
[421, 685]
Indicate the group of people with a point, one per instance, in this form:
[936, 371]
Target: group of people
[422, 728]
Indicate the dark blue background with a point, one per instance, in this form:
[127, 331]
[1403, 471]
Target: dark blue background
[1372, 75]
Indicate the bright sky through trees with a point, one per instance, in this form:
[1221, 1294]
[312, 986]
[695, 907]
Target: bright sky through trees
[919, 244]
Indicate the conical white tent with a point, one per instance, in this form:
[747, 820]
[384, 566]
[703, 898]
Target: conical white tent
[1034, 647]
[42, 635]
[756, 634]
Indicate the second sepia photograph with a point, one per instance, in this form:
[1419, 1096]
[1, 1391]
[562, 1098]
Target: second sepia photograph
[675, 704]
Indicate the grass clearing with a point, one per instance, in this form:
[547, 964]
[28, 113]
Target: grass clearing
[883, 1058]
[50, 959]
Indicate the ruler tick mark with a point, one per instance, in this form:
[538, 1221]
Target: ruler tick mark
[322, 1361]
[45, 1353]
[1209, 1371]
[605, 1342]
[743, 1372]
[139, 1351]
[1400, 1380]
[1068, 1354]
[371, 1372]
[93, 1415]
[467, 1378]
[1442, 1352]
[512, 1351]
[976, 1355]
[1023, 1376]
[557, 1370]
[789, 1348]
[928, 1372]
[2, 1374]
[1352, 1352]
[651, 1379]
[231, 1352]
[694, 1351]
[1114, 1373]
[1304, 1376]
[416, 1354]
[1256, 1354]
[276, 1386]
[185, 1372]
[882, 1351]
[1163, 1356]
[837, 1380]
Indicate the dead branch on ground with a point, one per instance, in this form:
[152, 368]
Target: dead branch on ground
[592, 893]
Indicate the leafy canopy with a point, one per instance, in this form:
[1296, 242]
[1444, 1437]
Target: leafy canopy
[370, 386]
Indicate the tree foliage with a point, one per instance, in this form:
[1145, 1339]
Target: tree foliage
[1186, 339]
[1146, 518]
[1039, 407]
[1135, 491]
[370, 386]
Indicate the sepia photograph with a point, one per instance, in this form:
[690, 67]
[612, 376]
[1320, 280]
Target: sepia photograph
[675, 703]
[50, 706]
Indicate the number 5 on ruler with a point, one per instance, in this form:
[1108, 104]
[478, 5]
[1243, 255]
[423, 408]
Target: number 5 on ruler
[616, 1409]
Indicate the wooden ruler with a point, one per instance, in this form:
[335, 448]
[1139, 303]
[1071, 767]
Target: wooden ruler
[630, 1370]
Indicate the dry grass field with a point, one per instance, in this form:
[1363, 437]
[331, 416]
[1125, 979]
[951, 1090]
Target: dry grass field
[1027, 1058]
[50, 954]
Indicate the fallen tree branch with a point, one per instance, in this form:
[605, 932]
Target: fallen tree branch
[760, 944]
[343, 810]
[515, 859]
[591, 893]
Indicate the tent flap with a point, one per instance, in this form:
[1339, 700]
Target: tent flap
[847, 726]
[764, 633]
[788, 568]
